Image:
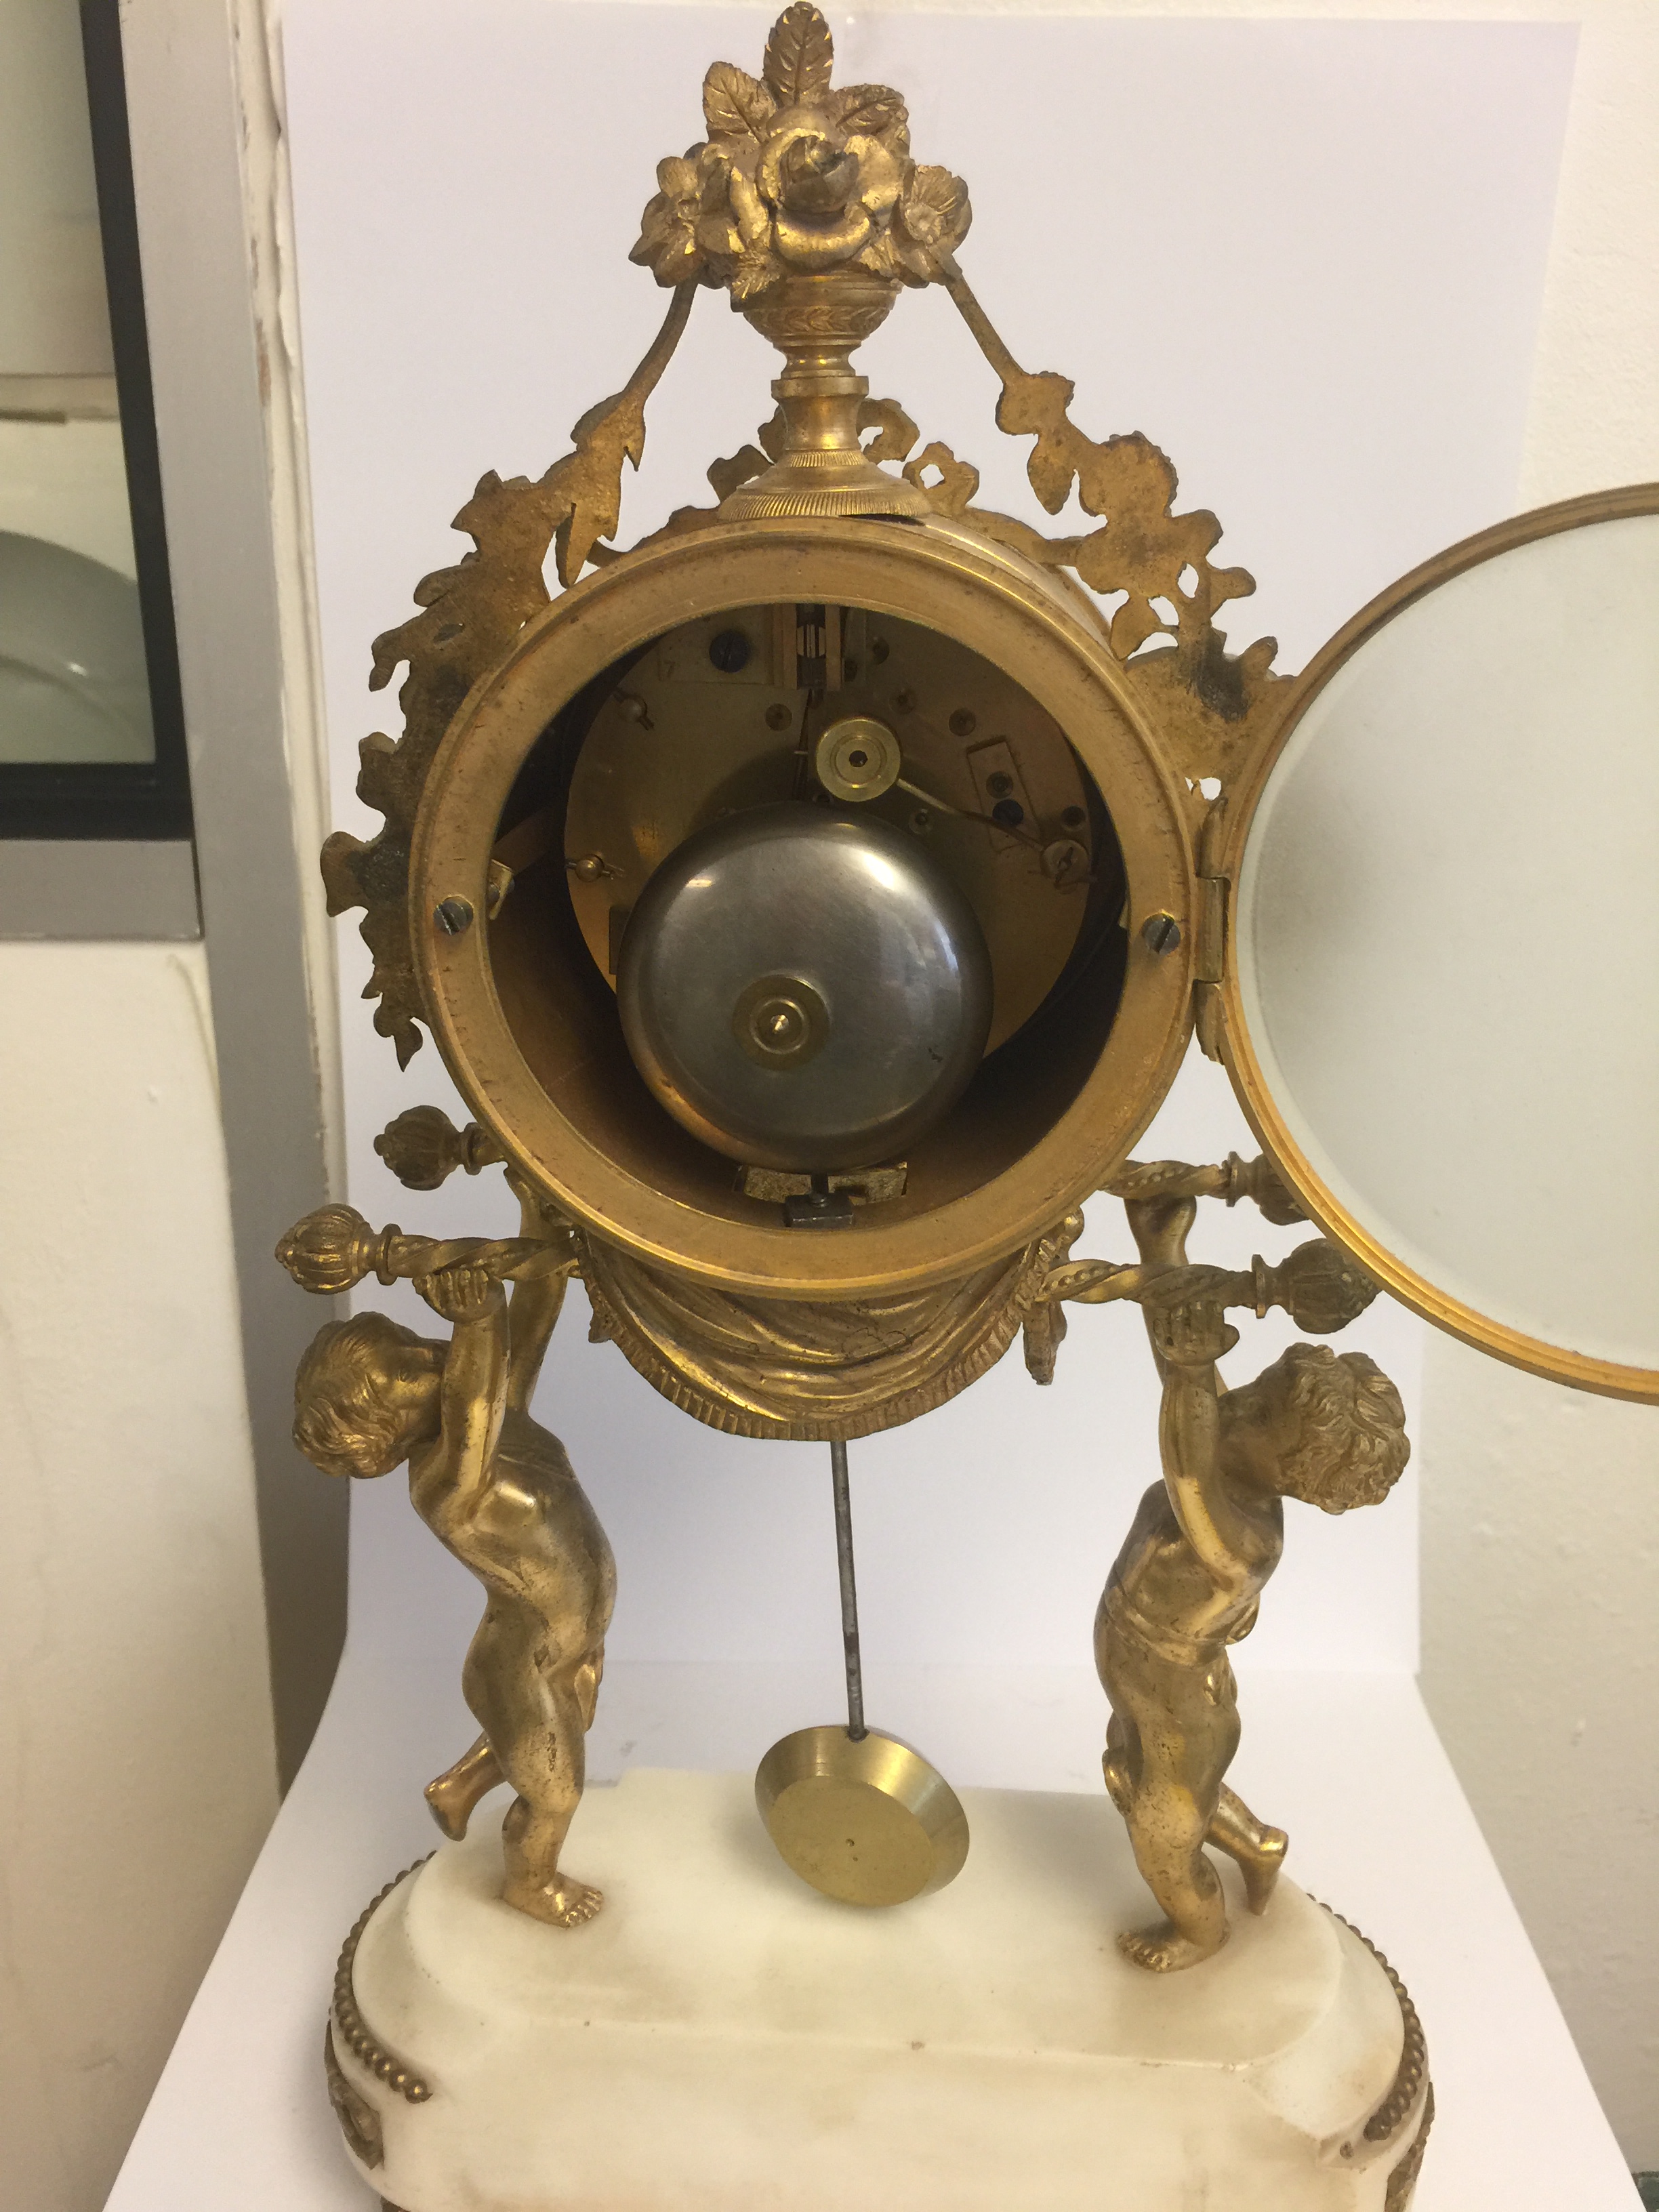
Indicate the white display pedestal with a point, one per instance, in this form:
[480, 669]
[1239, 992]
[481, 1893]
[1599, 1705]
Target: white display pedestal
[722, 2035]
[1348, 1764]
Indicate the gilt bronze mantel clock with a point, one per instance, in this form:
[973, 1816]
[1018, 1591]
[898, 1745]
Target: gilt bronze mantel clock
[813, 903]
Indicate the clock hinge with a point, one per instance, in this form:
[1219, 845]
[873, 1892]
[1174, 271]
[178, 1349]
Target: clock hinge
[1210, 964]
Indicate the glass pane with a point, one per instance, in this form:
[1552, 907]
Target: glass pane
[73, 680]
[1448, 930]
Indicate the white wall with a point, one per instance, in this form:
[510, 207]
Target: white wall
[137, 1777]
[66, 481]
[986, 1532]
[1286, 399]
[1540, 1665]
[54, 320]
[1540, 1514]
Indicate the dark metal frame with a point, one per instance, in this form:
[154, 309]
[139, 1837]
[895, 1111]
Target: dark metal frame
[135, 799]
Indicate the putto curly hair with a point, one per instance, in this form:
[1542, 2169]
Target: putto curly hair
[344, 1421]
[1351, 1446]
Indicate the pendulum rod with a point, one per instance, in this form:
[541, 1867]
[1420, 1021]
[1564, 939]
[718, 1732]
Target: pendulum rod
[849, 1593]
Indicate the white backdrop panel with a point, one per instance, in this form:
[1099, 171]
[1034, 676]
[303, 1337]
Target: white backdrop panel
[1307, 258]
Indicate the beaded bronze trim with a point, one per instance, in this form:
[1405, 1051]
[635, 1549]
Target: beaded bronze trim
[1412, 2069]
[361, 2044]
[1413, 2066]
[359, 2123]
[1403, 2180]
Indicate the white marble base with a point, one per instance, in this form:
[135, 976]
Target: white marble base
[722, 2037]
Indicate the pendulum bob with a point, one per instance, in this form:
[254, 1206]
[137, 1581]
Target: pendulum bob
[863, 1819]
[857, 1814]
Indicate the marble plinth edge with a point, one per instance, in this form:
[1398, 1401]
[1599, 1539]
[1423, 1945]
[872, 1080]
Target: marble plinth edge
[721, 2037]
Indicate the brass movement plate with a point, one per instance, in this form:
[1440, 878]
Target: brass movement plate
[679, 745]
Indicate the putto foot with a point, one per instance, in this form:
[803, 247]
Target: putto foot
[1262, 1869]
[451, 1806]
[565, 1903]
[1163, 1949]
